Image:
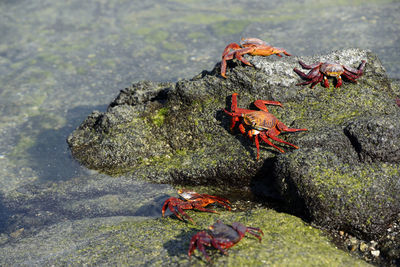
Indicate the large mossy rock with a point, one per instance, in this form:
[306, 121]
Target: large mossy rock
[136, 241]
[344, 176]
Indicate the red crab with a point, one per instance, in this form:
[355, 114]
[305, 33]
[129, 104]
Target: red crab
[252, 46]
[192, 200]
[221, 237]
[320, 71]
[261, 123]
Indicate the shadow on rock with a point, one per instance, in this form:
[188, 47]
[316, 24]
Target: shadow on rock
[180, 245]
[152, 209]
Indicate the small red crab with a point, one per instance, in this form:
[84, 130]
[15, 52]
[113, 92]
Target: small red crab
[192, 200]
[320, 71]
[261, 122]
[221, 237]
[252, 46]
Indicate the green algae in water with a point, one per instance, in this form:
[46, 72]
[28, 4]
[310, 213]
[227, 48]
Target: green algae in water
[229, 27]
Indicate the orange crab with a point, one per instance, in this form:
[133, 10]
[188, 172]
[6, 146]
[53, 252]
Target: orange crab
[252, 46]
[192, 200]
[261, 123]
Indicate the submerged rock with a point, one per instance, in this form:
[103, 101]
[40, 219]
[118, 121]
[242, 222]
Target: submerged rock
[344, 176]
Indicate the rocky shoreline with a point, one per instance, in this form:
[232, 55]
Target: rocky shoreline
[343, 178]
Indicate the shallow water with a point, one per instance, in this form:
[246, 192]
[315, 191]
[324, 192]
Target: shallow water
[60, 60]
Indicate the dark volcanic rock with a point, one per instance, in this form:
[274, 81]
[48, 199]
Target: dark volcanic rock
[344, 176]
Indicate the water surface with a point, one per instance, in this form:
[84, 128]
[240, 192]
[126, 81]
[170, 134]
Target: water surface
[60, 60]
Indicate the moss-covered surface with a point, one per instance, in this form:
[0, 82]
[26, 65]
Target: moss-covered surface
[350, 197]
[178, 133]
[59, 60]
[287, 241]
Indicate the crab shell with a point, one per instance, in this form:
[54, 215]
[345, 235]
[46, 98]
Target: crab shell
[331, 69]
[260, 120]
[226, 236]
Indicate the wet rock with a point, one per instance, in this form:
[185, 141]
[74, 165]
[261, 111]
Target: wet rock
[376, 138]
[389, 245]
[137, 241]
[344, 176]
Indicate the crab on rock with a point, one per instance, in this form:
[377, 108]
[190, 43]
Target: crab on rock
[320, 71]
[261, 123]
[252, 46]
[192, 200]
[221, 237]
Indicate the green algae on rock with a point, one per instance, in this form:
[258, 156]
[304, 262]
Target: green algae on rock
[177, 133]
[137, 241]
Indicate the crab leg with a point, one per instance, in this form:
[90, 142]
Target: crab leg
[171, 208]
[181, 211]
[198, 241]
[242, 129]
[305, 66]
[223, 64]
[278, 50]
[228, 55]
[240, 52]
[358, 71]
[229, 47]
[261, 104]
[237, 53]
[205, 210]
[220, 200]
[265, 139]
[326, 82]
[164, 207]
[315, 76]
[253, 231]
[168, 201]
[174, 203]
[310, 75]
[257, 146]
[349, 76]
[281, 141]
[317, 80]
[284, 128]
[339, 81]
[235, 109]
[217, 246]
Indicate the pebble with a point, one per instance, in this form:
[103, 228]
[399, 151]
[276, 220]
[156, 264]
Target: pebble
[375, 253]
[363, 247]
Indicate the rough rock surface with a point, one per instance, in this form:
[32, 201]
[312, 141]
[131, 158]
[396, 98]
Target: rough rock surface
[344, 176]
[137, 241]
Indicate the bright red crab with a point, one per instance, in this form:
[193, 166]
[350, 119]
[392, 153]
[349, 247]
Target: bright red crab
[192, 200]
[320, 71]
[252, 46]
[221, 237]
[261, 123]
